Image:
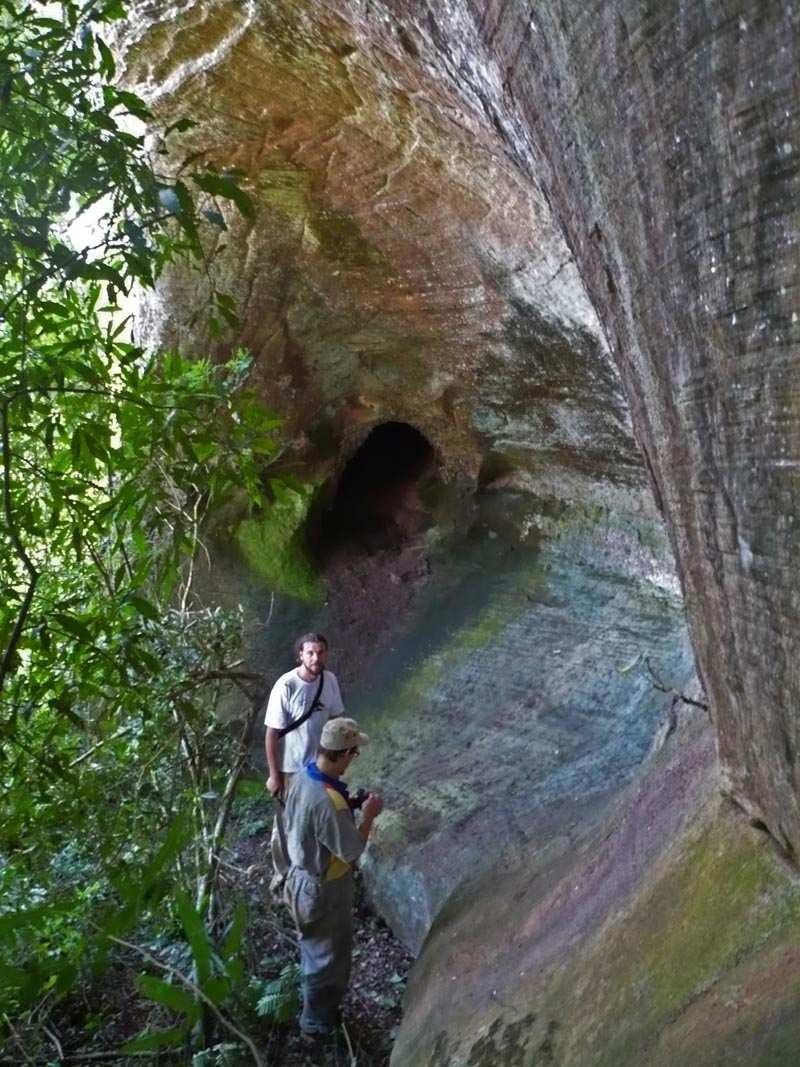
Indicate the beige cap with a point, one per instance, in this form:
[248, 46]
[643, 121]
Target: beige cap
[341, 733]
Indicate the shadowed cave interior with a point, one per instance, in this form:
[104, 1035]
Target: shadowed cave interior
[379, 501]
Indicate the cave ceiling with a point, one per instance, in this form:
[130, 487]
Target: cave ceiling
[401, 265]
[468, 209]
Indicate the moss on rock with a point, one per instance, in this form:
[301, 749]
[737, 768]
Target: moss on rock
[725, 900]
[272, 545]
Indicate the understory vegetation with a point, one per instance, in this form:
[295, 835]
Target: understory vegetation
[127, 713]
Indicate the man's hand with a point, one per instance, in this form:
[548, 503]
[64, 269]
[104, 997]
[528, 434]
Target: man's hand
[275, 781]
[373, 806]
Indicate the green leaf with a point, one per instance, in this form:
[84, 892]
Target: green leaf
[174, 841]
[226, 187]
[142, 658]
[134, 104]
[107, 65]
[18, 920]
[215, 218]
[197, 936]
[180, 126]
[184, 198]
[172, 997]
[280, 998]
[96, 447]
[72, 625]
[15, 977]
[111, 10]
[144, 607]
[217, 988]
[232, 941]
[149, 1042]
[251, 787]
[62, 310]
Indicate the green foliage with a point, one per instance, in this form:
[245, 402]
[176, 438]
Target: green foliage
[114, 769]
[272, 546]
[279, 999]
[222, 1055]
[254, 810]
[217, 977]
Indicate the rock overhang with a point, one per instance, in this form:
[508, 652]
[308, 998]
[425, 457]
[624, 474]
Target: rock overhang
[401, 267]
[404, 266]
[412, 160]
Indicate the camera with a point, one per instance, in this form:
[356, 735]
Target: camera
[357, 799]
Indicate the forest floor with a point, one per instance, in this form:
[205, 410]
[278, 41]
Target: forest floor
[89, 1026]
[372, 595]
[372, 1007]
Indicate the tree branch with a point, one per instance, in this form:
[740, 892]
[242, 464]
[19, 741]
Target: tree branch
[205, 890]
[33, 574]
[197, 992]
[94, 748]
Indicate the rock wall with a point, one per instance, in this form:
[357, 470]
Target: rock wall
[668, 135]
[663, 934]
[512, 702]
[416, 162]
[560, 240]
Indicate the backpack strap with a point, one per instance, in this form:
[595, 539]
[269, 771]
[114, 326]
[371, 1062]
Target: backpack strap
[312, 707]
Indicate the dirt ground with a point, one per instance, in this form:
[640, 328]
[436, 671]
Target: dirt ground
[102, 1015]
[372, 1007]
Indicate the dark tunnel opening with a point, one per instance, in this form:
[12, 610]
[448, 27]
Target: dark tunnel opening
[379, 502]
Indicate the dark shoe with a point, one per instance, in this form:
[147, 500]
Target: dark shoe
[314, 1042]
[316, 1035]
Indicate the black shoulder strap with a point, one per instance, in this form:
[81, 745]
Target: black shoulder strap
[312, 707]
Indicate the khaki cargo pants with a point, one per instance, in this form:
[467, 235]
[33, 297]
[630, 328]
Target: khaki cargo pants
[323, 914]
[280, 861]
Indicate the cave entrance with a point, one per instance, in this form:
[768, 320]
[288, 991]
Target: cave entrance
[379, 500]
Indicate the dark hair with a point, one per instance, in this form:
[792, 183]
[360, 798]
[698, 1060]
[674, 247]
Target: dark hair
[334, 754]
[306, 639]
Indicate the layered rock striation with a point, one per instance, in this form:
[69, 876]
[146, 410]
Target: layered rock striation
[668, 136]
[559, 241]
[663, 934]
[401, 266]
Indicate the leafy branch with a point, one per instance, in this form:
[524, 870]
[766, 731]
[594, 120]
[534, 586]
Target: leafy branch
[117, 774]
[13, 533]
[196, 992]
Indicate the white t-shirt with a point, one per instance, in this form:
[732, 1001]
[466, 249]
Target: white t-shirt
[288, 701]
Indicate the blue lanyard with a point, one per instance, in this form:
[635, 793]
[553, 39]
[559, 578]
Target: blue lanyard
[313, 771]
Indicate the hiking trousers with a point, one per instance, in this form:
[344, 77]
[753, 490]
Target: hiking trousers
[323, 914]
[280, 861]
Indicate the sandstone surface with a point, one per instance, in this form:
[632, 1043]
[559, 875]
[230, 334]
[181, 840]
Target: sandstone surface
[664, 934]
[559, 241]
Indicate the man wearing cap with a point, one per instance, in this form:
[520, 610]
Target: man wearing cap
[299, 705]
[323, 842]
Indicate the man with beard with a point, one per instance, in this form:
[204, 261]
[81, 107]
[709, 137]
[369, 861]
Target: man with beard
[301, 702]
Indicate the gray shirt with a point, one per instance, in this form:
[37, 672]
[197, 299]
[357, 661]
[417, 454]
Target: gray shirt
[321, 836]
[287, 702]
